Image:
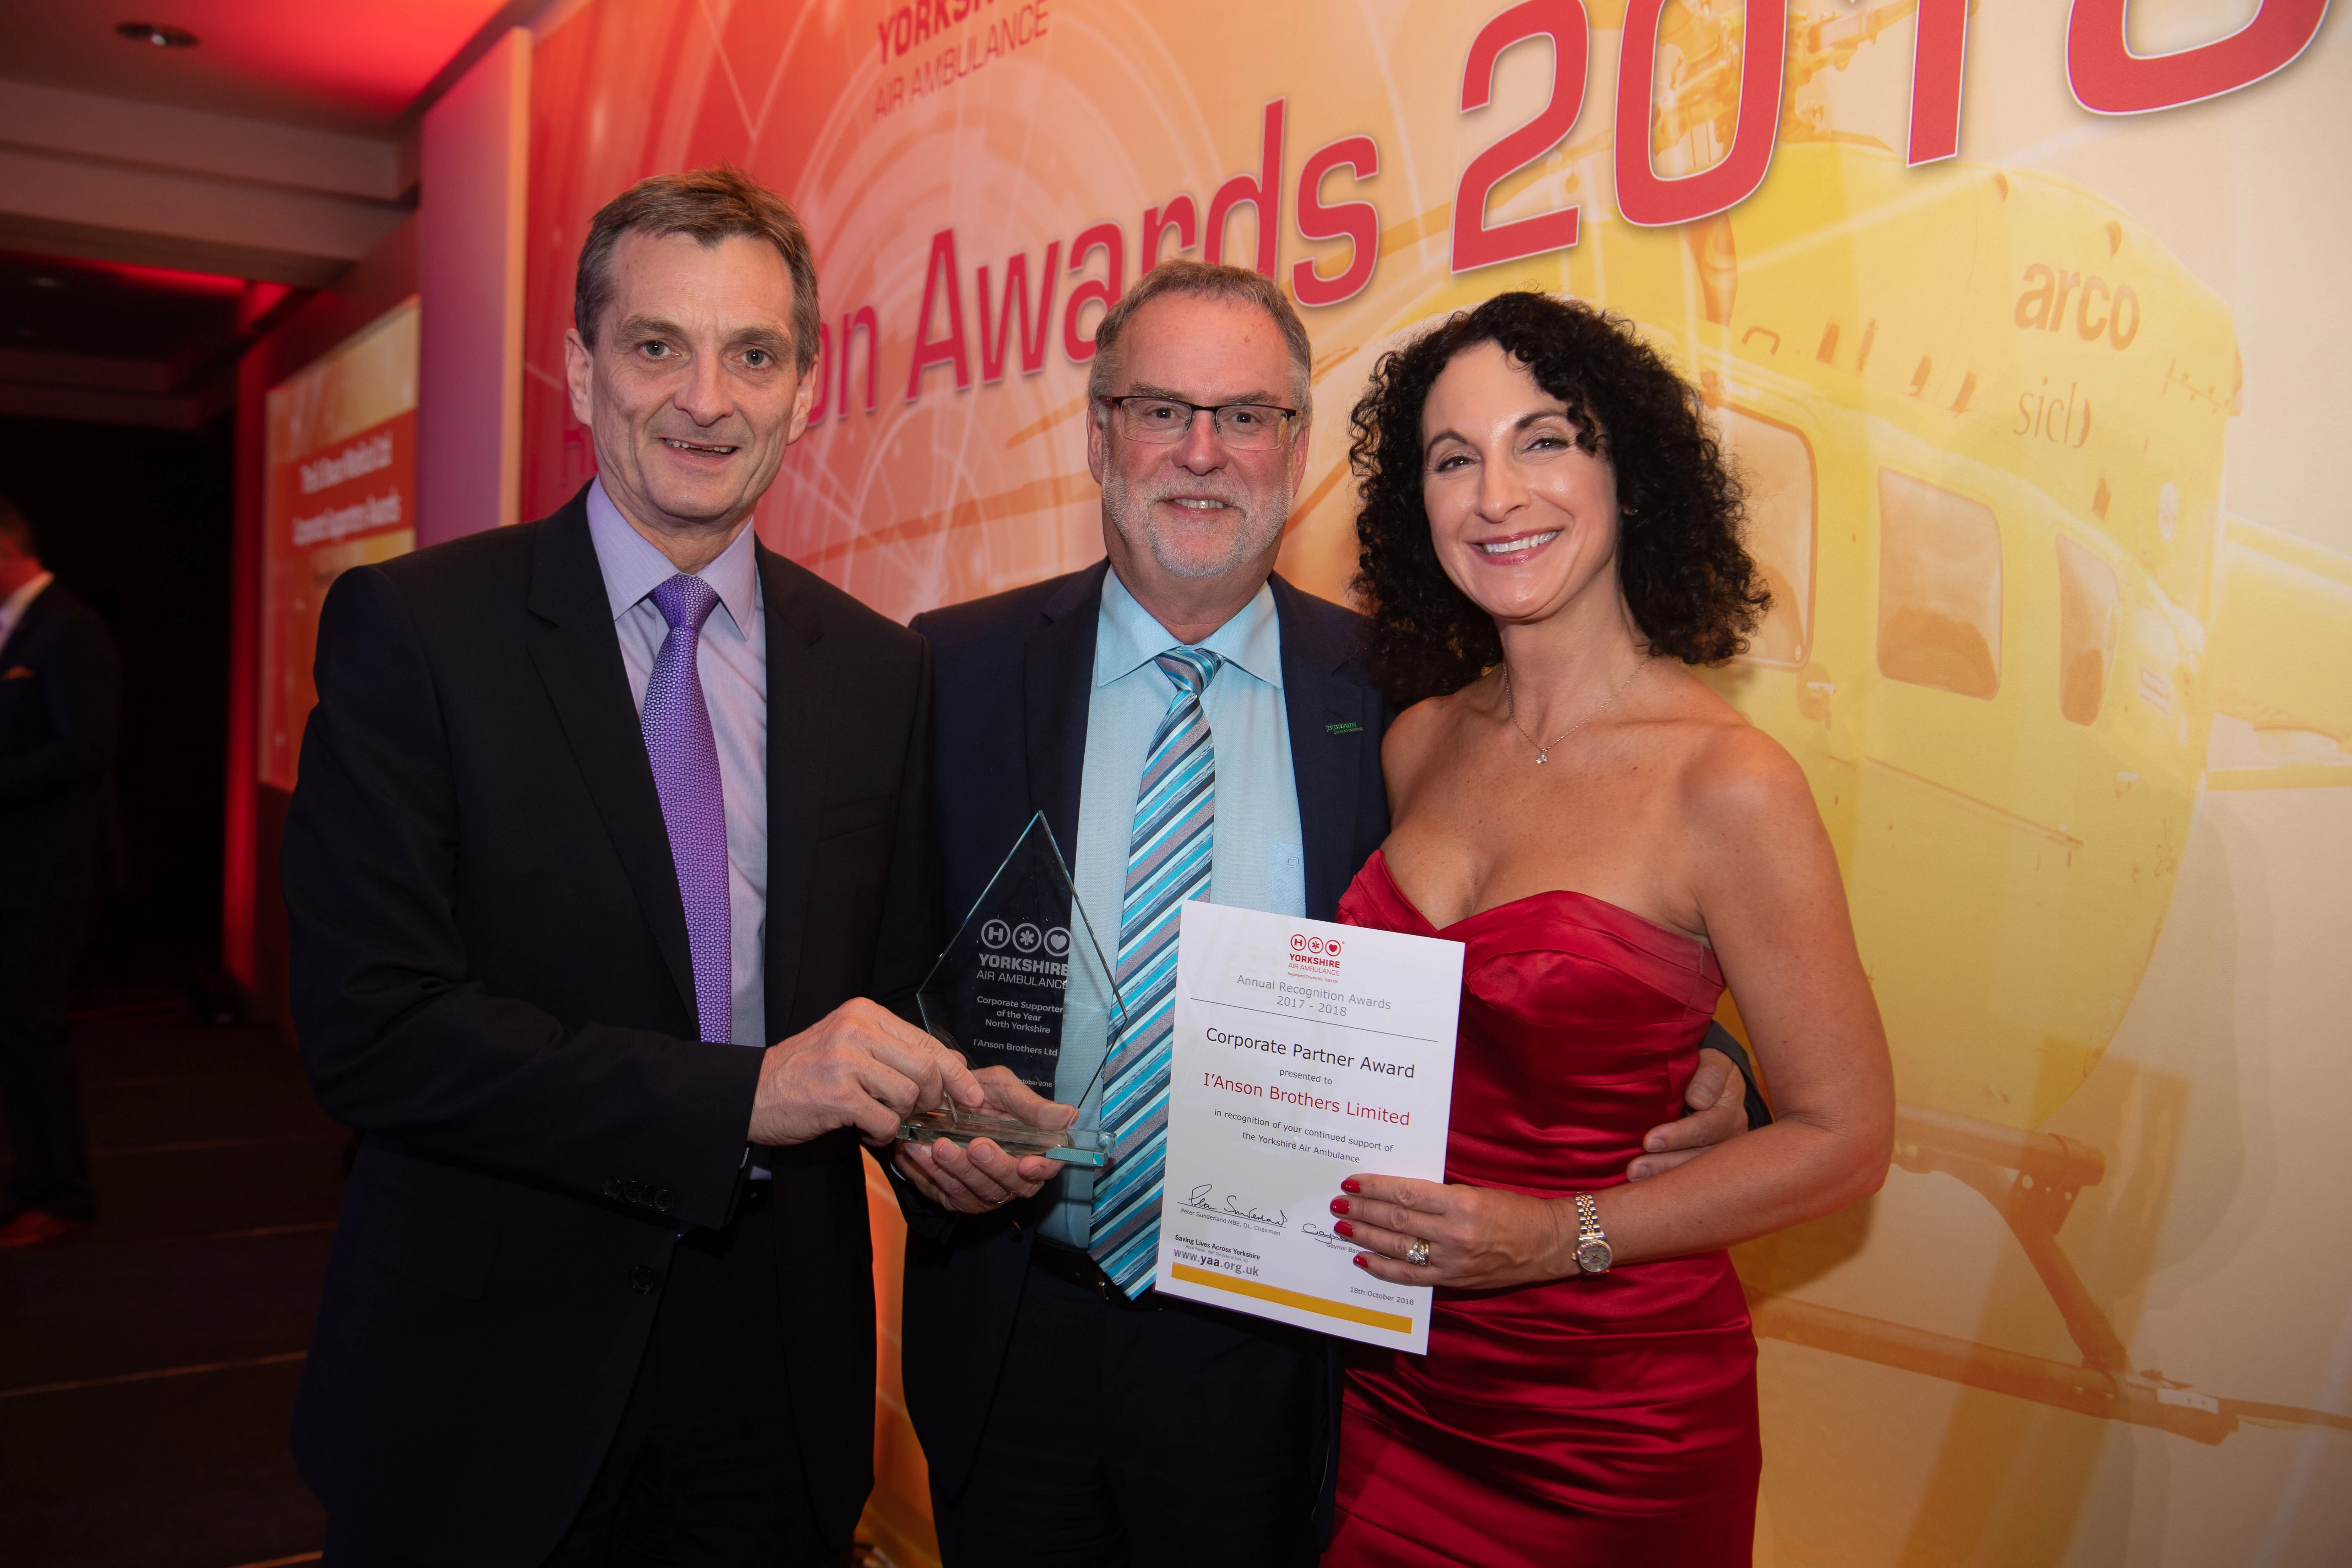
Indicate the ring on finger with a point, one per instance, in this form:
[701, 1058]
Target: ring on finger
[1418, 1254]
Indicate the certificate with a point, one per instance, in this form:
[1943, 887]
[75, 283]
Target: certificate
[1303, 1053]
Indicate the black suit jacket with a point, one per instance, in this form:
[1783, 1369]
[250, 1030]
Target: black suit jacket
[492, 982]
[60, 714]
[1016, 673]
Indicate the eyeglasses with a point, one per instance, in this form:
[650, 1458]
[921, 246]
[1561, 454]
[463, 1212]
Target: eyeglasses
[1164, 421]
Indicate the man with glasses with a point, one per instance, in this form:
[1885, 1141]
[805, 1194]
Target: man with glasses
[1060, 1402]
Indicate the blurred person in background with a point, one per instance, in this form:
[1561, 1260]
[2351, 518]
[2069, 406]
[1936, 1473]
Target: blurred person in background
[61, 703]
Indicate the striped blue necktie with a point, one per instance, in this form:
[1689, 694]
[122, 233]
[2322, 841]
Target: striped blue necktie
[1167, 863]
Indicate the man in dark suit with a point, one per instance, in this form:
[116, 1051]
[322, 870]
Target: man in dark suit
[604, 824]
[1071, 1414]
[61, 703]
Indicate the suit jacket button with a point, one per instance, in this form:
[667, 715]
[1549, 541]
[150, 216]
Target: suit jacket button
[665, 1200]
[613, 1188]
[641, 1279]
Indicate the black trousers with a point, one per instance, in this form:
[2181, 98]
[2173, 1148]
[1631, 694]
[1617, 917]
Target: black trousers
[704, 1469]
[1138, 1435]
[39, 945]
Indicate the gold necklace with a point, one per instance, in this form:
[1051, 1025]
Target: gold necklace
[1543, 748]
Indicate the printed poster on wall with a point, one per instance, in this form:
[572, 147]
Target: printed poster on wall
[340, 456]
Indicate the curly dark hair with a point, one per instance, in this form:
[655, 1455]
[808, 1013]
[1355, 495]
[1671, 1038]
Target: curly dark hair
[1687, 578]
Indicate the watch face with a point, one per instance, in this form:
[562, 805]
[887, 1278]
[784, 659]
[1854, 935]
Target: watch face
[1593, 1257]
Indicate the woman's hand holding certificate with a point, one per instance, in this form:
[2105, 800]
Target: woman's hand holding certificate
[1479, 1238]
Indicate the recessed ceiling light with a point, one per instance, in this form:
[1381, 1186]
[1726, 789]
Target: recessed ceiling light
[155, 33]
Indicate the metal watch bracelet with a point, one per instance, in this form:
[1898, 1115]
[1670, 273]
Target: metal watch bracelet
[1592, 1254]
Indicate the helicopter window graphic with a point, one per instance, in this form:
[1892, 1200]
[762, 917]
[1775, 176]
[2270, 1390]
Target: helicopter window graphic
[2089, 607]
[1938, 587]
[1776, 471]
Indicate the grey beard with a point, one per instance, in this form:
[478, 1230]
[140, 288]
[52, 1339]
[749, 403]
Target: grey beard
[1251, 540]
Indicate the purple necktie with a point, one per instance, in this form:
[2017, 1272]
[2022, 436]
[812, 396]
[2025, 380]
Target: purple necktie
[685, 757]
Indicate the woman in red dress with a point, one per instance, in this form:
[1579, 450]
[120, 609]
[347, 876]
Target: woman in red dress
[1549, 537]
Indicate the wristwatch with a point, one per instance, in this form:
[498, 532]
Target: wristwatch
[1592, 1254]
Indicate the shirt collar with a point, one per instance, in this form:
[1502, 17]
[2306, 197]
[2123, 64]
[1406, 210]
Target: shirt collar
[12, 608]
[1128, 637]
[633, 568]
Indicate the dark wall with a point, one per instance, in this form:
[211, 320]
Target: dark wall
[137, 522]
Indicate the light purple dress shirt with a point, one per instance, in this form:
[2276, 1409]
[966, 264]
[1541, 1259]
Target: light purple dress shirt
[732, 657]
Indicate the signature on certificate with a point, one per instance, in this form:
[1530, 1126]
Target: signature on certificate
[1314, 1232]
[1200, 1198]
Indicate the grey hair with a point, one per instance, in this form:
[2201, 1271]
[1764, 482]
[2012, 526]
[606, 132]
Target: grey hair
[1195, 279]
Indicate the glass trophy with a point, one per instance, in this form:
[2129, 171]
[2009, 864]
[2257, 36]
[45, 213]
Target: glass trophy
[1023, 968]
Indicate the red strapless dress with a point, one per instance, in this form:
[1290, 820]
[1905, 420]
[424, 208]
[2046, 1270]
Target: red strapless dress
[1608, 1420]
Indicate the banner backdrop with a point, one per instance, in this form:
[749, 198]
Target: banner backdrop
[341, 455]
[2026, 327]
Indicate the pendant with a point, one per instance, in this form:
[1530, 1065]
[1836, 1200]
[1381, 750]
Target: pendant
[1542, 757]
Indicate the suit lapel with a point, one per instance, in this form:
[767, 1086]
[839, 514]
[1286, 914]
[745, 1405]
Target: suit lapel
[796, 720]
[1057, 680]
[28, 622]
[1331, 720]
[578, 656]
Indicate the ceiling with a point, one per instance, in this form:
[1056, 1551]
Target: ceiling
[352, 66]
[161, 207]
[121, 344]
[115, 311]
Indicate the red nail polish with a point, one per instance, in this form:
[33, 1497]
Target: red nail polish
[1351, 1186]
[1343, 1229]
[1338, 1205]
[1360, 1261]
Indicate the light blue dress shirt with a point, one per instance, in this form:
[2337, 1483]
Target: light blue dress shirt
[13, 607]
[1258, 859]
[732, 659]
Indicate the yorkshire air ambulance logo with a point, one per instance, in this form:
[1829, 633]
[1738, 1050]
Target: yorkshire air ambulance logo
[1026, 939]
[1314, 957]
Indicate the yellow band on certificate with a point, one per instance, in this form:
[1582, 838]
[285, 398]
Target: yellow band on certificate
[1394, 1322]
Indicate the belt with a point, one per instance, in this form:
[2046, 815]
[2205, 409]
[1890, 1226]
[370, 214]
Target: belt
[1077, 1269]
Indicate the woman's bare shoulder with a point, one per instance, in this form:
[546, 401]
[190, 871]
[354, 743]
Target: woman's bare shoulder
[1418, 737]
[1414, 732]
[1737, 779]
